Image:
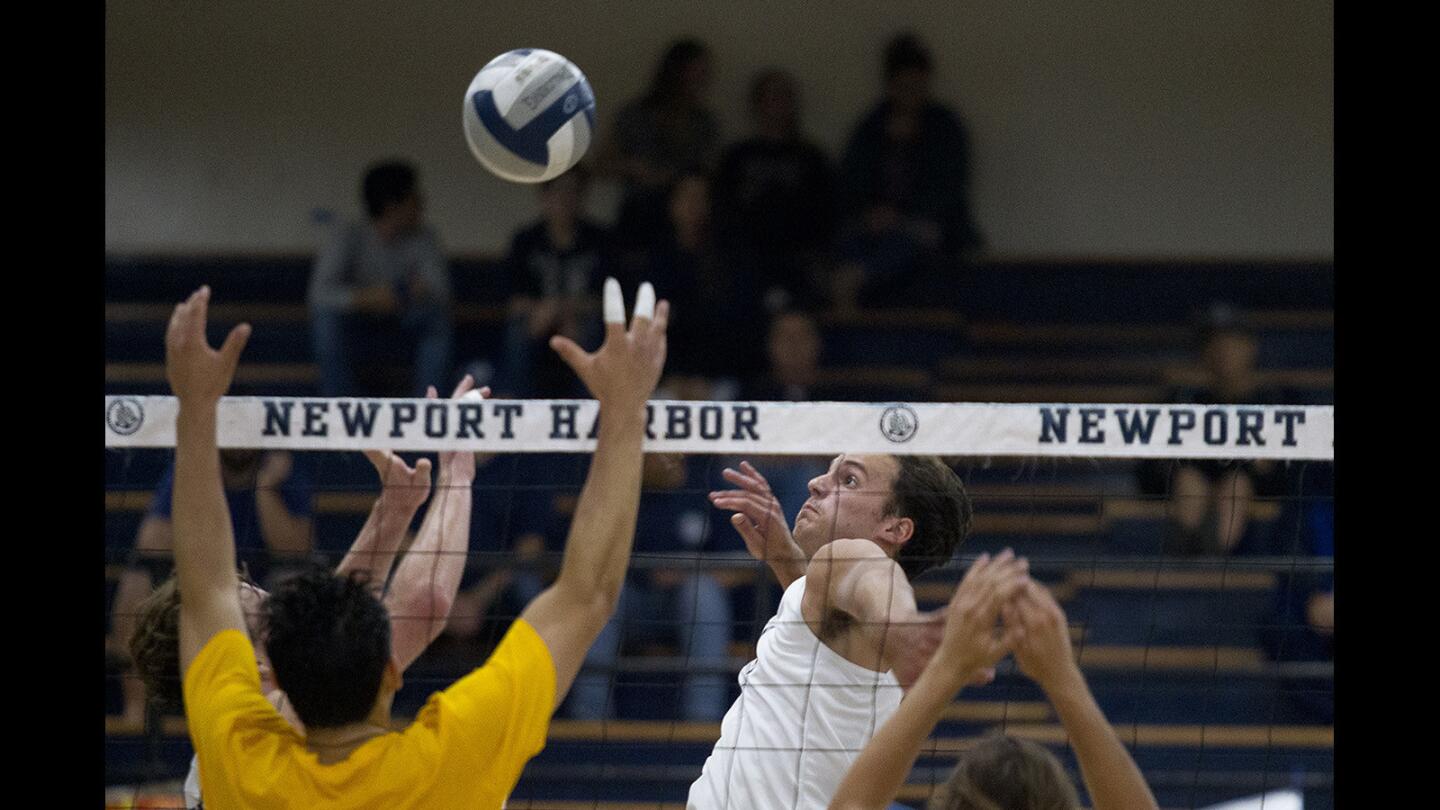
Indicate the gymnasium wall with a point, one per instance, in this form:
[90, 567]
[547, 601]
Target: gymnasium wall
[1109, 128]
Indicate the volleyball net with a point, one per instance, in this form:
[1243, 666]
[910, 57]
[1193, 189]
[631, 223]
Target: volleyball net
[1190, 545]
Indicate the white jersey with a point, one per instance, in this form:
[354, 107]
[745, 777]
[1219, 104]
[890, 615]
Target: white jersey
[192, 785]
[803, 716]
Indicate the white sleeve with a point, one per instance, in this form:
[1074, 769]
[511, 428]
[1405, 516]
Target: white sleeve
[192, 785]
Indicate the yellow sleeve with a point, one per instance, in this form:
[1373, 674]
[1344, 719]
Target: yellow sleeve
[222, 691]
[495, 719]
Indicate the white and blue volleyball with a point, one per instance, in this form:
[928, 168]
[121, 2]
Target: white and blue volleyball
[529, 115]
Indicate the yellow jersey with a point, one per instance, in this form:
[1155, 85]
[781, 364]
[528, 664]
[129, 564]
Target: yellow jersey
[465, 749]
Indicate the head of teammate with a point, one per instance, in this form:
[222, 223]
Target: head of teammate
[1006, 772]
[913, 507]
[328, 640]
[155, 647]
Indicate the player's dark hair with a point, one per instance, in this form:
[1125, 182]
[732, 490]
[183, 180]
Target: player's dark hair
[328, 639]
[1005, 772]
[666, 84]
[387, 184]
[906, 53]
[934, 498]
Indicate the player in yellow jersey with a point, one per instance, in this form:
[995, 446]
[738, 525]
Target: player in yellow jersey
[328, 637]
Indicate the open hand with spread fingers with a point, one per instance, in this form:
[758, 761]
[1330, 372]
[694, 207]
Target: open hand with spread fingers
[198, 373]
[624, 371]
[758, 517]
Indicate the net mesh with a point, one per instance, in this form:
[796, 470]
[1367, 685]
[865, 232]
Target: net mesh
[1197, 592]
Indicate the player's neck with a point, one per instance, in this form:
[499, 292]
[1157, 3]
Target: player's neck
[332, 745]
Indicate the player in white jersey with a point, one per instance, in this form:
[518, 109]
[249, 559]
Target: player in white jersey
[831, 664]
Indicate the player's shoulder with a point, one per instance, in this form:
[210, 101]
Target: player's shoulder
[849, 548]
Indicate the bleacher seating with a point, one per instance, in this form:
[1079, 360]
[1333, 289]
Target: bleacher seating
[1171, 654]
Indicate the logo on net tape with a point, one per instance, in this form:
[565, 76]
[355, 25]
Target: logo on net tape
[124, 416]
[899, 423]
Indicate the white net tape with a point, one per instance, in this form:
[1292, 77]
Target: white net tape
[771, 428]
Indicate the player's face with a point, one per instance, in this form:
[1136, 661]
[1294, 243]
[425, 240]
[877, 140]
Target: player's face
[251, 601]
[848, 500]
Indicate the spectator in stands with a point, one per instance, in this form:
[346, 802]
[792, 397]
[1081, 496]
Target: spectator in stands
[905, 180]
[1001, 771]
[1300, 625]
[1210, 501]
[792, 350]
[685, 603]
[717, 293]
[269, 499]
[387, 275]
[775, 194]
[555, 267]
[661, 135]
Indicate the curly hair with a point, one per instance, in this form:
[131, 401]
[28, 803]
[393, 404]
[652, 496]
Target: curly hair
[1005, 773]
[155, 646]
[328, 640]
[929, 492]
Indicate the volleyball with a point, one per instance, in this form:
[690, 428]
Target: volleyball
[529, 115]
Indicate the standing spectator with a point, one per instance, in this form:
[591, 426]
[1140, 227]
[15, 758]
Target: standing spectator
[269, 500]
[774, 192]
[659, 136]
[385, 275]
[905, 181]
[555, 267]
[717, 293]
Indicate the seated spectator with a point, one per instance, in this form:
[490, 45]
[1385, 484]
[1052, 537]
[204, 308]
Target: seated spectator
[905, 180]
[717, 293]
[384, 276]
[555, 268]
[1210, 500]
[775, 195]
[792, 351]
[688, 605]
[1300, 625]
[659, 136]
[269, 499]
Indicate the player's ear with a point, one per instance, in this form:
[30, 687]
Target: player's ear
[900, 530]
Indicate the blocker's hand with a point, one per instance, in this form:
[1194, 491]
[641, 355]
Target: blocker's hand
[402, 486]
[458, 469]
[624, 371]
[198, 373]
[971, 642]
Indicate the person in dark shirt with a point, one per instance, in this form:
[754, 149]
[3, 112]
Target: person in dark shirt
[717, 291]
[683, 603]
[554, 267]
[661, 135]
[905, 181]
[775, 194]
[1210, 500]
